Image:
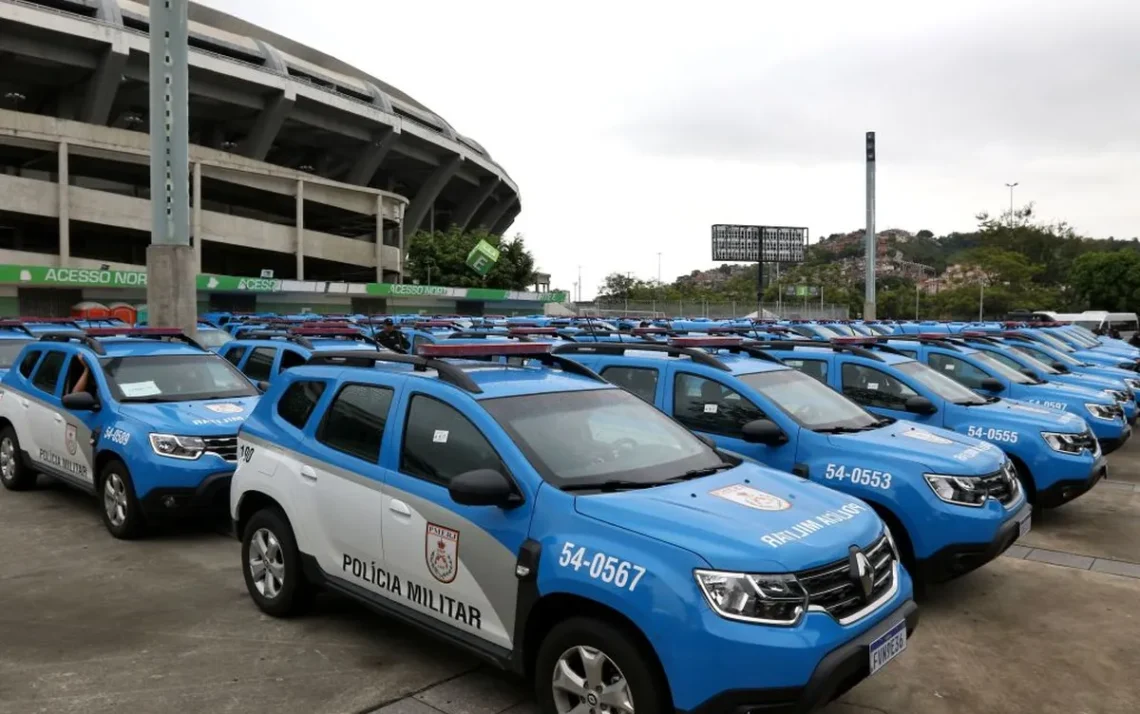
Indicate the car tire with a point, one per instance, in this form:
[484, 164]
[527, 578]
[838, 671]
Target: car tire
[14, 473]
[271, 565]
[122, 513]
[568, 664]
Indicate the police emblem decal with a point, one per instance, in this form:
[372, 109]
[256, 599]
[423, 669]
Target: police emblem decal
[441, 551]
[71, 439]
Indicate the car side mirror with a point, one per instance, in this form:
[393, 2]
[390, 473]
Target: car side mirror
[1061, 367]
[920, 405]
[263, 386]
[1028, 372]
[80, 402]
[992, 385]
[483, 487]
[763, 431]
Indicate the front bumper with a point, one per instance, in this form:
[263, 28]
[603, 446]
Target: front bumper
[839, 671]
[1062, 492]
[1109, 445]
[212, 494]
[958, 559]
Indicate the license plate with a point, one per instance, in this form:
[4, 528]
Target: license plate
[1026, 524]
[887, 647]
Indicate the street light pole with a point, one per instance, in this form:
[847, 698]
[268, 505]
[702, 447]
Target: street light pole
[658, 268]
[1011, 186]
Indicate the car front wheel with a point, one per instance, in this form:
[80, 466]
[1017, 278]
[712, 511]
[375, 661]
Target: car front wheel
[122, 512]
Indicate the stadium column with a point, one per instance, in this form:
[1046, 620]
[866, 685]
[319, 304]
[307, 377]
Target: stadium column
[300, 229]
[196, 215]
[171, 293]
[379, 238]
[495, 213]
[62, 172]
[429, 192]
[474, 201]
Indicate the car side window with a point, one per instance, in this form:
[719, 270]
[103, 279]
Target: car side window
[707, 405]
[259, 366]
[29, 363]
[354, 422]
[297, 403]
[440, 443]
[235, 353]
[913, 354]
[959, 370]
[641, 381]
[873, 388]
[47, 374]
[816, 368]
[289, 358]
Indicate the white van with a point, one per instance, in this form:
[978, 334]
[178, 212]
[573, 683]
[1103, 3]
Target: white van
[1098, 321]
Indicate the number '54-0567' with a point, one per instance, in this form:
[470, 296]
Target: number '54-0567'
[600, 566]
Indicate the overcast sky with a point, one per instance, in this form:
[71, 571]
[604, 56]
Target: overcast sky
[631, 126]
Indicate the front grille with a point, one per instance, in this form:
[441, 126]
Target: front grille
[1120, 395]
[836, 590]
[224, 446]
[1002, 484]
[1086, 440]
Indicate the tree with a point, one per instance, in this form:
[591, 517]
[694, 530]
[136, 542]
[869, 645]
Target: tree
[1107, 281]
[443, 254]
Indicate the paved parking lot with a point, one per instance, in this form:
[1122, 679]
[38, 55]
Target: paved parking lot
[89, 624]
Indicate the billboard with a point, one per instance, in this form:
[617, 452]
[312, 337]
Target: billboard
[742, 243]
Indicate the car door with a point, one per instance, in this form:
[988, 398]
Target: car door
[45, 425]
[968, 374]
[456, 562]
[709, 406]
[340, 476]
[16, 405]
[82, 428]
[883, 394]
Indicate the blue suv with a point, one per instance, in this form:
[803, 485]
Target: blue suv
[144, 419]
[952, 502]
[562, 529]
[263, 354]
[1055, 453]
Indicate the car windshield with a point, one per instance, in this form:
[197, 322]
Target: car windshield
[878, 329]
[1053, 342]
[812, 404]
[825, 331]
[940, 384]
[174, 378]
[1034, 363]
[213, 338]
[1081, 338]
[579, 439]
[1042, 353]
[8, 351]
[1002, 369]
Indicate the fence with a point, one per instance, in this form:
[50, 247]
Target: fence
[792, 309]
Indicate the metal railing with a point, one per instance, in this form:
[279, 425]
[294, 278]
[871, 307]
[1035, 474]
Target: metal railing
[790, 310]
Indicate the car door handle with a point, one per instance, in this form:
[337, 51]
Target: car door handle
[57, 417]
[24, 403]
[307, 472]
[399, 508]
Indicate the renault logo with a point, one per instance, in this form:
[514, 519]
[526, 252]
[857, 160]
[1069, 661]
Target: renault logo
[862, 573]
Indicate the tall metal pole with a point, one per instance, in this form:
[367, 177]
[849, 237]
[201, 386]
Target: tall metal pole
[981, 297]
[658, 268]
[579, 283]
[1011, 186]
[869, 293]
[171, 268]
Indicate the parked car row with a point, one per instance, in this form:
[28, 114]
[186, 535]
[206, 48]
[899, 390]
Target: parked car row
[628, 517]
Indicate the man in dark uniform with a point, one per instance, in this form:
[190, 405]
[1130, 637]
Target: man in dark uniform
[392, 338]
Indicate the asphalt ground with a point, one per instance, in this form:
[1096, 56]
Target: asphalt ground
[90, 624]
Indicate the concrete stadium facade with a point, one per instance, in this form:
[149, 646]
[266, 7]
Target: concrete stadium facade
[300, 163]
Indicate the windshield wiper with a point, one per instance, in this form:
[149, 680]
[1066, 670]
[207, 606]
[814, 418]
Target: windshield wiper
[845, 429]
[610, 485]
[698, 473]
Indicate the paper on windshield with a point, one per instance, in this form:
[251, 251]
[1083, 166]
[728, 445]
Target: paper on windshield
[140, 389]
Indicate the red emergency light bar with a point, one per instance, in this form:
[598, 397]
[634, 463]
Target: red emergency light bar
[1013, 323]
[649, 331]
[48, 320]
[324, 331]
[532, 331]
[1012, 333]
[11, 323]
[851, 340]
[706, 341]
[134, 332]
[337, 324]
[491, 349]
[933, 336]
[522, 324]
[975, 333]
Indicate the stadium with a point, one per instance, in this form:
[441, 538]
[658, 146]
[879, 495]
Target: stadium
[301, 164]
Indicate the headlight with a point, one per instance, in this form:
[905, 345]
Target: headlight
[760, 599]
[960, 490]
[1065, 443]
[1103, 411]
[177, 447]
[1116, 394]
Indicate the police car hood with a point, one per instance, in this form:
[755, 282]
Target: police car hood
[935, 450]
[748, 519]
[1070, 391]
[197, 418]
[1025, 415]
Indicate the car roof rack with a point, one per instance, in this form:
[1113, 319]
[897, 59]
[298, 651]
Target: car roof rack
[15, 325]
[452, 373]
[941, 340]
[173, 334]
[835, 346]
[74, 336]
[619, 348]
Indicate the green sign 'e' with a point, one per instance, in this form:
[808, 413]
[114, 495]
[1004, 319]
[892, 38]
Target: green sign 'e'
[483, 257]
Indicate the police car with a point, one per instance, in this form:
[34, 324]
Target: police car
[151, 430]
[953, 502]
[1056, 455]
[561, 528]
[263, 354]
[13, 336]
